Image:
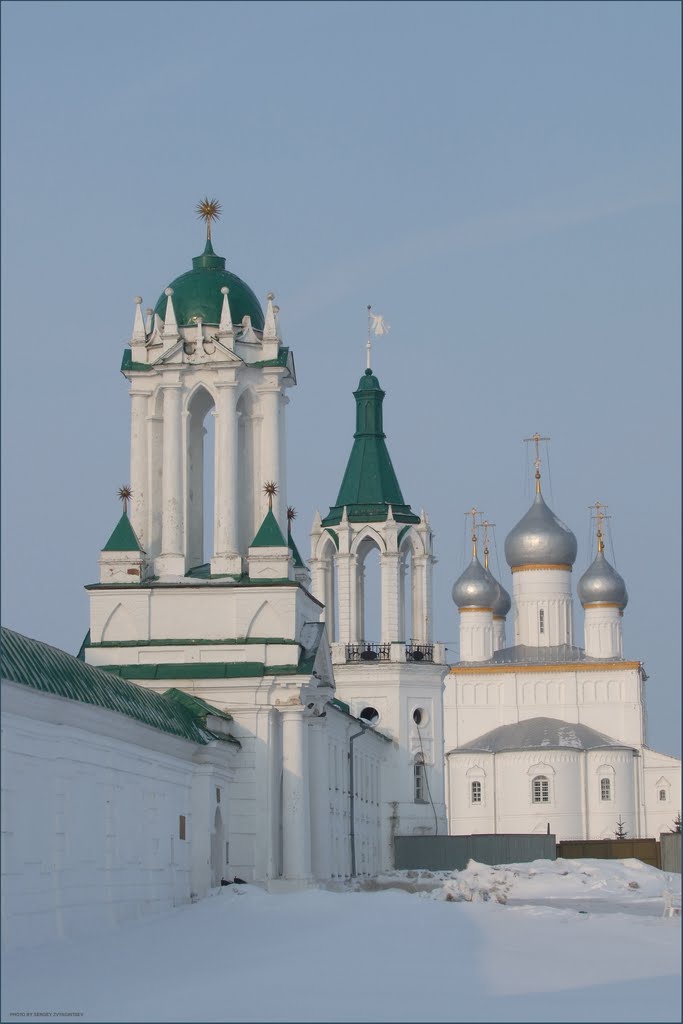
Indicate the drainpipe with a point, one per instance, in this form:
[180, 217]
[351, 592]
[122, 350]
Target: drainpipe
[352, 836]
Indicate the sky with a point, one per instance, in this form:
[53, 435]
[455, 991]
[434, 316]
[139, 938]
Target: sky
[560, 940]
[501, 181]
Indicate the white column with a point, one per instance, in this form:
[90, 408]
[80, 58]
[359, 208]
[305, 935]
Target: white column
[321, 818]
[296, 825]
[271, 460]
[138, 464]
[226, 555]
[547, 591]
[389, 566]
[171, 561]
[418, 598]
[344, 598]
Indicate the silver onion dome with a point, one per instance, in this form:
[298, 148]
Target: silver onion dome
[602, 584]
[476, 587]
[540, 538]
[503, 602]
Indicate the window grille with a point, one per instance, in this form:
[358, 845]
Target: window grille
[605, 789]
[420, 788]
[541, 621]
[476, 792]
[540, 790]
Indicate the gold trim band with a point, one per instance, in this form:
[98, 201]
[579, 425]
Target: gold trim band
[525, 568]
[602, 604]
[462, 670]
[474, 608]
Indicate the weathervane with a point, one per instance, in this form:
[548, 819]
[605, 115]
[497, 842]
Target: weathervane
[208, 210]
[600, 518]
[536, 438]
[270, 489]
[377, 326]
[125, 494]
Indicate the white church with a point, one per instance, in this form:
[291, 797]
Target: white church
[227, 716]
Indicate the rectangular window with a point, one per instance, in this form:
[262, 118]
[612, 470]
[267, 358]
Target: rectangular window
[662, 795]
[218, 795]
[476, 792]
[540, 790]
[420, 784]
[541, 621]
[605, 789]
[227, 855]
[181, 827]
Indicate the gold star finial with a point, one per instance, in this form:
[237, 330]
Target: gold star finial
[208, 210]
[125, 494]
[270, 489]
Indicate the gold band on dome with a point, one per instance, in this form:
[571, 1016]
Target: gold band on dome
[475, 608]
[524, 568]
[601, 604]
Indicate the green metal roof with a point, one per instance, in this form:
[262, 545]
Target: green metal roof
[370, 484]
[41, 667]
[123, 538]
[269, 534]
[298, 560]
[197, 293]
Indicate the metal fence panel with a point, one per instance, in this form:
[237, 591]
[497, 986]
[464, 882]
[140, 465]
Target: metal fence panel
[451, 853]
[646, 850]
[671, 851]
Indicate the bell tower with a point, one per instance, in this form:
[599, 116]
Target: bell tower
[393, 680]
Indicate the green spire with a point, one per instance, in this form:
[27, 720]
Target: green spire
[269, 534]
[296, 557]
[370, 485]
[123, 538]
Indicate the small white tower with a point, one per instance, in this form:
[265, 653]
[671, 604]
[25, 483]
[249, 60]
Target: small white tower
[602, 593]
[394, 681]
[502, 602]
[541, 550]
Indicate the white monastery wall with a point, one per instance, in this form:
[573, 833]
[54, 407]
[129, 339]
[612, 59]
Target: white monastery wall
[91, 821]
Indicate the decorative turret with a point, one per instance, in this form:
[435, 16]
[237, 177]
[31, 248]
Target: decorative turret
[270, 557]
[541, 550]
[301, 573]
[602, 593]
[122, 559]
[474, 592]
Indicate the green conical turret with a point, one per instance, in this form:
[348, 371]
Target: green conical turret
[370, 485]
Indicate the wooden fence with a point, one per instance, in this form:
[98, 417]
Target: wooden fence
[647, 850]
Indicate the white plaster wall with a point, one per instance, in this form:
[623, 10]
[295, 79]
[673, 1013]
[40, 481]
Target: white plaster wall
[660, 772]
[547, 590]
[90, 820]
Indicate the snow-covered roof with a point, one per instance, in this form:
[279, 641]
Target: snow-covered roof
[540, 733]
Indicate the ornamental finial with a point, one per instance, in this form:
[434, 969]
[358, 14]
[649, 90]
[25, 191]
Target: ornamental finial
[536, 438]
[270, 489]
[208, 210]
[125, 494]
[599, 517]
[474, 512]
[487, 526]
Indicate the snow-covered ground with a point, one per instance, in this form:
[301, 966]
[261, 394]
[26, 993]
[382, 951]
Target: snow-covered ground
[547, 941]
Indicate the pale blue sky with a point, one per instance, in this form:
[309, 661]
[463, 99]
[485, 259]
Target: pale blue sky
[501, 181]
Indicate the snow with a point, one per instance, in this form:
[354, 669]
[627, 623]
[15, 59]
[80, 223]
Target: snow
[551, 940]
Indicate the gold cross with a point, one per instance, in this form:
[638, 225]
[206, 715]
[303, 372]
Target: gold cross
[600, 518]
[474, 512]
[536, 438]
[487, 525]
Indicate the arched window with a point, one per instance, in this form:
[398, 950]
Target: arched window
[605, 789]
[419, 777]
[662, 795]
[540, 790]
[476, 792]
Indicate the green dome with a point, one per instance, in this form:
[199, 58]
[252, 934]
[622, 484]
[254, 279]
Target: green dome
[197, 293]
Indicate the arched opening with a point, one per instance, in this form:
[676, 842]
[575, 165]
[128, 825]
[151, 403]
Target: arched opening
[200, 478]
[249, 483]
[217, 849]
[369, 592]
[330, 595]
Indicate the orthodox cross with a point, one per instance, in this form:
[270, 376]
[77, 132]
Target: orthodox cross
[208, 210]
[536, 438]
[487, 526]
[474, 512]
[600, 518]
